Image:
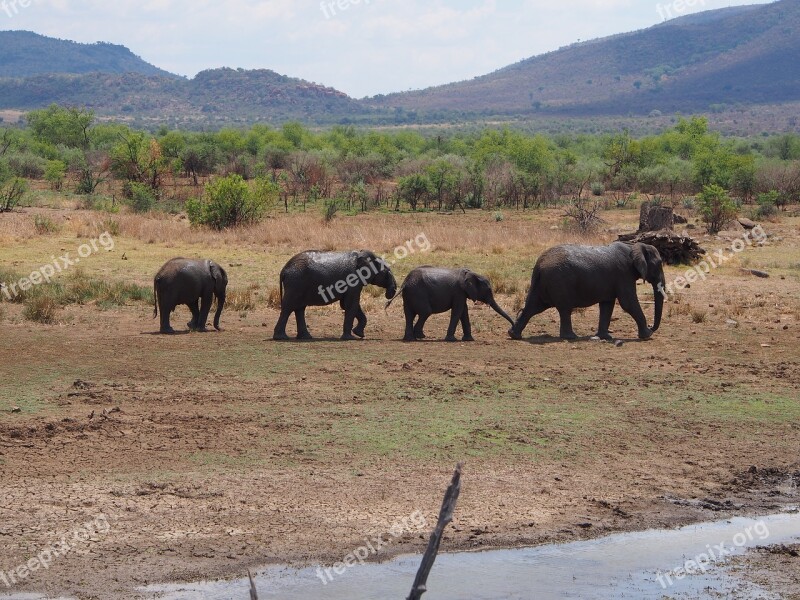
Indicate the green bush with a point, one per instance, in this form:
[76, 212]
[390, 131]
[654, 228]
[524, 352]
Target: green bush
[598, 189]
[229, 202]
[140, 197]
[54, 173]
[716, 207]
[768, 204]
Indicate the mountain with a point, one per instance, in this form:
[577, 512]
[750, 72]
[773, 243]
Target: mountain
[218, 95]
[720, 61]
[698, 62]
[25, 54]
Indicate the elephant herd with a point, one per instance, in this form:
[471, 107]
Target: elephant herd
[565, 277]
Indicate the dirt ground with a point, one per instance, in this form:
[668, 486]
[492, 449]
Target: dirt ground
[213, 453]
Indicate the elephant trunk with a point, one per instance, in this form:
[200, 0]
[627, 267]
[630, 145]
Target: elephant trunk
[220, 305]
[500, 311]
[659, 289]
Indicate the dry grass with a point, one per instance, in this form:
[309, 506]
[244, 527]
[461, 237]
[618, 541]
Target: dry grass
[41, 309]
[240, 300]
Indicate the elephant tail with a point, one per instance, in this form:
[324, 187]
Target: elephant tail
[281, 286]
[399, 291]
[155, 299]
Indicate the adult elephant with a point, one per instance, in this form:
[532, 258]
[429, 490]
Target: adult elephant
[193, 283]
[431, 290]
[569, 277]
[315, 278]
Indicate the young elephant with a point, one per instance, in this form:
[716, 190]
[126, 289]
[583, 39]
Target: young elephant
[431, 290]
[189, 282]
[569, 277]
[315, 278]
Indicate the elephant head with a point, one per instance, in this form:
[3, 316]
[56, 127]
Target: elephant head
[220, 278]
[380, 273]
[479, 289]
[648, 265]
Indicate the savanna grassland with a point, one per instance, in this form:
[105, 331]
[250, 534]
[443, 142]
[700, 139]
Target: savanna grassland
[213, 453]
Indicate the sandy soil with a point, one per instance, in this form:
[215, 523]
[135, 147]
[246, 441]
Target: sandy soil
[214, 453]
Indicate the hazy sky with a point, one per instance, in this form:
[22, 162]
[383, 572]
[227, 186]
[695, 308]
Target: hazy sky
[362, 47]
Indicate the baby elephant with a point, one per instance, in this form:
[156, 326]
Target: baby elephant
[189, 282]
[429, 290]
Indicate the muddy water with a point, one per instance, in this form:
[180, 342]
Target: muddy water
[618, 566]
[632, 565]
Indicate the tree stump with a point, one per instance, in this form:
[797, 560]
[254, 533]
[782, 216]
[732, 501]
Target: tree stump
[655, 217]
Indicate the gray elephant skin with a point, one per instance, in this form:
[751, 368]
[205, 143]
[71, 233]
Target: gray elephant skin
[316, 278]
[193, 283]
[431, 290]
[570, 276]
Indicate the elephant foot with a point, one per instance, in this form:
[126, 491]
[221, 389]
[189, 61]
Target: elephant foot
[409, 339]
[645, 334]
[514, 335]
[280, 337]
[191, 325]
[348, 337]
[358, 333]
[468, 338]
[450, 338]
[604, 336]
[167, 331]
[419, 336]
[569, 335]
[200, 330]
[304, 336]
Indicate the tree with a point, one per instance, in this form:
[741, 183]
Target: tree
[716, 208]
[139, 158]
[12, 189]
[56, 125]
[413, 188]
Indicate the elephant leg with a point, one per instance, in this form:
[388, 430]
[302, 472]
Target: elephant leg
[466, 326]
[349, 316]
[205, 308]
[279, 332]
[419, 332]
[606, 310]
[532, 308]
[630, 304]
[194, 307]
[361, 324]
[455, 317]
[566, 332]
[165, 309]
[302, 329]
[410, 316]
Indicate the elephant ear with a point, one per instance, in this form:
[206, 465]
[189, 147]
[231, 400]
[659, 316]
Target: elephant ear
[469, 283]
[218, 274]
[364, 258]
[639, 260]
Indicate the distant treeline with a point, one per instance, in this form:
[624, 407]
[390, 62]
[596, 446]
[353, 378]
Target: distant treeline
[362, 169]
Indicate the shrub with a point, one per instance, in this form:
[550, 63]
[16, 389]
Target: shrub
[230, 202]
[55, 172]
[716, 207]
[688, 203]
[598, 189]
[140, 197]
[329, 211]
[44, 225]
[768, 204]
[498, 216]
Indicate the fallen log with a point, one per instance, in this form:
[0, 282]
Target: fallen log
[675, 249]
